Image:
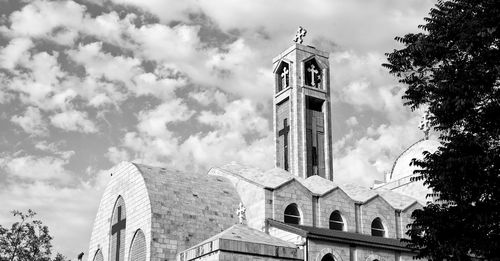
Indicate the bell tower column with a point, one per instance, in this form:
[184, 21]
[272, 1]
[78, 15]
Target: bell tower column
[302, 110]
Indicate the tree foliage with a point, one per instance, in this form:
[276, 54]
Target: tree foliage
[26, 240]
[452, 68]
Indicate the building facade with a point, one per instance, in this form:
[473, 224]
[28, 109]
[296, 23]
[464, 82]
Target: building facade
[294, 211]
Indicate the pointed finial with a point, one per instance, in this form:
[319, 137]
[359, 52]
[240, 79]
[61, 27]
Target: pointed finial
[241, 211]
[425, 124]
[301, 33]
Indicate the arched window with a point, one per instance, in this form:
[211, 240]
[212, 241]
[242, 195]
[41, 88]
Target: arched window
[336, 221]
[312, 73]
[328, 257]
[98, 256]
[292, 214]
[378, 229]
[283, 76]
[138, 247]
[118, 223]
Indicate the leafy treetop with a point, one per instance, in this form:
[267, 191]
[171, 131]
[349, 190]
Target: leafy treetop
[452, 68]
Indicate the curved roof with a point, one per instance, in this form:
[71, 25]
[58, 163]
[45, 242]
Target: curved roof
[184, 202]
[401, 167]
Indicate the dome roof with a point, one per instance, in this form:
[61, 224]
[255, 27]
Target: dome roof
[402, 168]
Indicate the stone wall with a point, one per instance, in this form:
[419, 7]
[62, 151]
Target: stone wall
[336, 200]
[128, 183]
[175, 210]
[317, 249]
[371, 254]
[293, 192]
[378, 207]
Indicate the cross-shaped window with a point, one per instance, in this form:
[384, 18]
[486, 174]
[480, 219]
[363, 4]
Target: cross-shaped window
[118, 231]
[283, 76]
[312, 73]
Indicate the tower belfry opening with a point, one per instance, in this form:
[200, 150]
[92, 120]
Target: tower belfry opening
[302, 110]
[315, 137]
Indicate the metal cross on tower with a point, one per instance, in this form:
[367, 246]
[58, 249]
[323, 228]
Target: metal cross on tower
[116, 229]
[313, 72]
[241, 211]
[301, 32]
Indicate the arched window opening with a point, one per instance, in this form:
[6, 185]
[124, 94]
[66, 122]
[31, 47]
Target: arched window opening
[138, 247]
[283, 76]
[328, 257]
[336, 221]
[378, 229]
[118, 224]
[312, 73]
[98, 256]
[292, 214]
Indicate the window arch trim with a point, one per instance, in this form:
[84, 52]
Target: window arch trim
[137, 233]
[122, 214]
[98, 256]
[320, 72]
[294, 215]
[340, 222]
[378, 228]
[279, 73]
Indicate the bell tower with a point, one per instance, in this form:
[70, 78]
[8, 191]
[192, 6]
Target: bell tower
[302, 110]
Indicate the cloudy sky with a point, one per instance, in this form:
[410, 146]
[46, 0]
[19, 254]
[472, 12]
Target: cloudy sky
[85, 84]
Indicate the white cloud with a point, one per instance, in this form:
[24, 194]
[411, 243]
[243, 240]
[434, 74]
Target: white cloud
[60, 208]
[239, 116]
[168, 10]
[371, 156]
[241, 70]
[98, 64]
[152, 150]
[217, 148]
[36, 168]
[73, 120]
[44, 18]
[176, 45]
[360, 81]
[239, 133]
[14, 52]
[154, 143]
[55, 149]
[160, 84]
[209, 96]
[154, 122]
[352, 121]
[39, 83]
[31, 122]
[116, 155]
[229, 140]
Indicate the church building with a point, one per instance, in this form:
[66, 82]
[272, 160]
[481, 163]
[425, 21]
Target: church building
[294, 211]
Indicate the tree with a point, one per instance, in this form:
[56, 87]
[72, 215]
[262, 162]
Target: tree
[452, 68]
[26, 240]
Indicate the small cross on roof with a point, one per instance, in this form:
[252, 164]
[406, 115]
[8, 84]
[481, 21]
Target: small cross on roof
[241, 211]
[301, 33]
